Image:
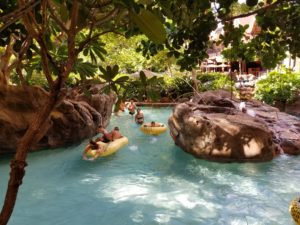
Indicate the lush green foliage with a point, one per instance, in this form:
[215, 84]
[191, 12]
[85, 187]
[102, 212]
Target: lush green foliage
[215, 81]
[35, 79]
[174, 87]
[180, 28]
[278, 87]
[143, 88]
[110, 76]
[123, 52]
[178, 86]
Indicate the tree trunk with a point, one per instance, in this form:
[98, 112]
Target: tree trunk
[18, 164]
[4, 63]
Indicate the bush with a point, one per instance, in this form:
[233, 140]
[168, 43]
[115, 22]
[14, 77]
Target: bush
[278, 87]
[178, 86]
[35, 78]
[215, 81]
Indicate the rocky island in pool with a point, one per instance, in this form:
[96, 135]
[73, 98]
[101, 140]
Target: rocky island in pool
[212, 126]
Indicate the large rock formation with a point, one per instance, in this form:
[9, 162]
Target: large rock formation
[71, 121]
[294, 107]
[212, 126]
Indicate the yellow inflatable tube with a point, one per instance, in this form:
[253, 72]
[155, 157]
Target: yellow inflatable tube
[109, 148]
[157, 130]
[295, 210]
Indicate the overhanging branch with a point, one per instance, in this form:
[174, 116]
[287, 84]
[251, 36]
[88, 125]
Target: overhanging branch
[270, 6]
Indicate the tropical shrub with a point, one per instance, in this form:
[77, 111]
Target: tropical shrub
[278, 87]
[143, 88]
[215, 81]
[178, 86]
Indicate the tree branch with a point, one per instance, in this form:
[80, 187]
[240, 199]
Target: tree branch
[71, 40]
[44, 14]
[88, 40]
[37, 35]
[98, 4]
[17, 14]
[58, 21]
[106, 18]
[256, 11]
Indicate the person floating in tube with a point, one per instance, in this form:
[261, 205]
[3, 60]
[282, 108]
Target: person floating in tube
[93, 146]
[153, 124]
[109, 136]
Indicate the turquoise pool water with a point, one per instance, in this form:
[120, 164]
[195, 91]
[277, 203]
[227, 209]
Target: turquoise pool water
[151, 181]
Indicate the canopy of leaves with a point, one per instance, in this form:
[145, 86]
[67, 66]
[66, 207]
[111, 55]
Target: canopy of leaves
[278, 34]
[179, 27]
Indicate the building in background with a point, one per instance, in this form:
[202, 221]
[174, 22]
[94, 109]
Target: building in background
[217, 63]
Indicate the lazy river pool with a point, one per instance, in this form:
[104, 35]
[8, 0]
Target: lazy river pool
[150, 181]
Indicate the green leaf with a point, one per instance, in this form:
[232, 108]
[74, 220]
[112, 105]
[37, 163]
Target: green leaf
[109, 72]
[115, 70]
[122, 79]
[102, 70]
[150, 25]
[93, 57]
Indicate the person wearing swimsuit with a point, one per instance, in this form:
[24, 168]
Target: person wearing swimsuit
[139, 117]
[106, 136]
[109, 136]
[131, 107]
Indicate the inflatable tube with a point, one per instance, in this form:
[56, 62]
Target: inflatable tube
[110, 148]
[147, 129]
[295, 210]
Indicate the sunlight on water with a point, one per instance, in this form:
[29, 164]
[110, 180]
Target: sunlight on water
[148, 182]
[133, 147]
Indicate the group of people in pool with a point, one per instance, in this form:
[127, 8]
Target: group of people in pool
[106, 137]
[115, 133]
[139, 116]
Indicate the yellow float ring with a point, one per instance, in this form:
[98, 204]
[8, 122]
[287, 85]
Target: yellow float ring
[147, 129]
[295, 210]
[113, 146]
[109, 148]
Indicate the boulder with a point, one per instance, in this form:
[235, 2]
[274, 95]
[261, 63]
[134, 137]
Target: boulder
[294, 107]
[71, 120]
[213, 126]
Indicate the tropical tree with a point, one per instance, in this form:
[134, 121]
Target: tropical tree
[114, 83]
[147, 88]
[57, 31]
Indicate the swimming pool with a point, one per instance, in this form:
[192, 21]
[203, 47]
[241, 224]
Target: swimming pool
[150, 181]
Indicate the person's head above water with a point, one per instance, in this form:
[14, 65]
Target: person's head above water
[116, 128]
[152, 123]
[101, 128]
[138, 110]
[93, 142]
